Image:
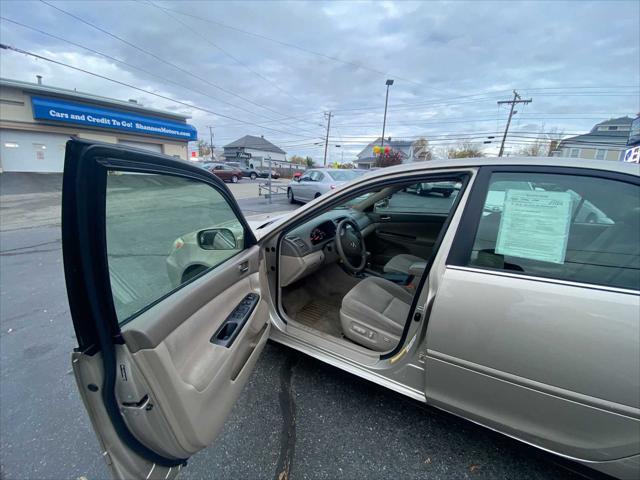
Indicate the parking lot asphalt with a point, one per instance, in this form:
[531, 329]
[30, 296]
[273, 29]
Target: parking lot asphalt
[296, 418]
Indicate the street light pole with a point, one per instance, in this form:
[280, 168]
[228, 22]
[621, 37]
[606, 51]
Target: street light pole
[384, 120]
[211, 141]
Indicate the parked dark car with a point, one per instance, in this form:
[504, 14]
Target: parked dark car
[264, 173]
[225, 172]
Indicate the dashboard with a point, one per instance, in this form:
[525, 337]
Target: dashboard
[324, 231]
[309, 246]
[320, 232]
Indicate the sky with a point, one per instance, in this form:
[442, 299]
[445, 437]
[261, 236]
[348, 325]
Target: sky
[276, 68]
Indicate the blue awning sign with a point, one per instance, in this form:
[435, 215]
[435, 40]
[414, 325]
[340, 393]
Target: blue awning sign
[57, 110]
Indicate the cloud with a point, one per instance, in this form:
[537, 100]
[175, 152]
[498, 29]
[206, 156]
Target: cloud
[438, 53]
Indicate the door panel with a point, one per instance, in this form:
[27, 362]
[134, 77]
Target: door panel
[164, 350]
[302, 188]
[503, 359]
[397, 233]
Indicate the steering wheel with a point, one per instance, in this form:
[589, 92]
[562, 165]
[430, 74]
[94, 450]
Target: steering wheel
[350, 245]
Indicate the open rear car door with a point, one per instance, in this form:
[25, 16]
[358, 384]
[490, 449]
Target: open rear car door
[163, 278]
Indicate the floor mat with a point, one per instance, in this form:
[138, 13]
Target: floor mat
[322, 314]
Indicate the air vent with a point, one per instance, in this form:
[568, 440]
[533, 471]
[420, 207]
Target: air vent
[301, 244]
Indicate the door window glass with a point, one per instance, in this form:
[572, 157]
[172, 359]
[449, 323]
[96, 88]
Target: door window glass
[162, 231]
[423, 197]
[576, 228]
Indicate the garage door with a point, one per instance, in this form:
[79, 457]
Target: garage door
[152, 147]
[31, 151]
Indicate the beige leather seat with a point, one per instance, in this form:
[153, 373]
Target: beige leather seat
[374, 312]
[401, 263]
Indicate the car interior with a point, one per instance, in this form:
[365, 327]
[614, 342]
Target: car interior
[351, 273]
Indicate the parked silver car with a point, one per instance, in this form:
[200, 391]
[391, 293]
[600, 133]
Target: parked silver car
[511, 310]
[318, 181]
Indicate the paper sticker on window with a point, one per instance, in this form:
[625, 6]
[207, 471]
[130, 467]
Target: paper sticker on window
[535, 225]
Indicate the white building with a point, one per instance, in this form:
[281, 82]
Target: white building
[253, 152]
[37, 120]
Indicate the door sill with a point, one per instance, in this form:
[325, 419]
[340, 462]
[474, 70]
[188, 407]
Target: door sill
[360, 369]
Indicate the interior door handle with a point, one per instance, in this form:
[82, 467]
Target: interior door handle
[385, 218]
[243, 267]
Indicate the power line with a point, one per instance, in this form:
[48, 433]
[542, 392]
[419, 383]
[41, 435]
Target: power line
[147, 72]
[163, 79]
[218, 47]
[160, 59]
[119, 82]
[297, 47]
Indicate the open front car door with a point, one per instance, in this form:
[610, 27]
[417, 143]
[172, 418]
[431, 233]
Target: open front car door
[163, 278]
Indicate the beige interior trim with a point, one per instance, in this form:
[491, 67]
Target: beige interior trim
[154, 325]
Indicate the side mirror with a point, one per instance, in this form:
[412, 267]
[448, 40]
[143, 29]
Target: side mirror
[217, 239]
[384, 203]
[296, 179]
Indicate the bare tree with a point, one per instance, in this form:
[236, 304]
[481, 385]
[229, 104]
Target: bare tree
[544, 145]
[465, 150]
[421, 150]
[204, 149]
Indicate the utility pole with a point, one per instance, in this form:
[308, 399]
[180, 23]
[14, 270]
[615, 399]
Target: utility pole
[326, 140]
[384, 120]
[516, 99]
[211, 141]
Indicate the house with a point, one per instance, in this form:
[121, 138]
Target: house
[367, 159]
[254, 152]
[606, 141]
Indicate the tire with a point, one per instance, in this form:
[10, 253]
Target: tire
[290, 195]
[192, 271]
[317, 195]
[234, 179]
[253, 176]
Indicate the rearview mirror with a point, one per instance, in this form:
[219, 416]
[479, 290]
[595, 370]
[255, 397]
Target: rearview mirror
[217, 239]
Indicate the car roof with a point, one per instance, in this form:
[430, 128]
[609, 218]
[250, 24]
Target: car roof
[610, 166]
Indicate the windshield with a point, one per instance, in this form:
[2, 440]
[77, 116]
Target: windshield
[343, 175]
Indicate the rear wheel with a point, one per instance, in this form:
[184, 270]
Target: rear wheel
[290, 195]
[234, 179]
[317, 195]
[253, 175]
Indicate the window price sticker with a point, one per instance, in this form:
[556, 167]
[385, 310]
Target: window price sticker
[535, 225]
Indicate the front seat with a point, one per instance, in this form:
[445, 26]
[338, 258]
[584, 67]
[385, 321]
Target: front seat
[401, 263]
[374, 312]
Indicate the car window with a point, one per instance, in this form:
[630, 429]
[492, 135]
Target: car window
[565, 227]
[162, 231]
[318, 177]
[343, 175]
[423, 197]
